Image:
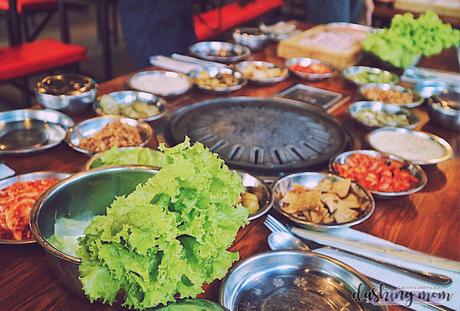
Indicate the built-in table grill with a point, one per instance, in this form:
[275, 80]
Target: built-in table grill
[266, 136]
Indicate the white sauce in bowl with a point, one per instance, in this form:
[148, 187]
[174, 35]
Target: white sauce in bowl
[159, 84]
[407, 146]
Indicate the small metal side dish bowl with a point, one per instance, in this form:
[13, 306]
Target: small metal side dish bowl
[79, 198]
[241, 67]
[414, 169]
[445, 110]
[220, 51]
[356, 107]
[31, 130]
[253, 38]
[305, 62]
[69, 93]
[213, 71]
[152, 76]
[294, 280]
[428, 88]
[24, 178]
[311, 180]
[129, 97]
[418, 100]
[447, 148]
[91, 126]
[349, 72]
[258, 187]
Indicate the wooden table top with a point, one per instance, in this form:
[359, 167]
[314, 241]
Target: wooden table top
[428, 221]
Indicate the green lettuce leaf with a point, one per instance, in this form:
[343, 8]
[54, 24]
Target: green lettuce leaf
[131, 156]
[168, 237]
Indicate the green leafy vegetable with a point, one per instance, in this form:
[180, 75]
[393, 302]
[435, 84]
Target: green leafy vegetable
[129, 156]
[168, 237]
[408, 38]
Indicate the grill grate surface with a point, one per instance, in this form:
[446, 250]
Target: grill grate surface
[265, 136]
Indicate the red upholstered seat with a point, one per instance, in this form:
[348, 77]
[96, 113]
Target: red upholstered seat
[232, 15]
[37, 56]
[30, 5]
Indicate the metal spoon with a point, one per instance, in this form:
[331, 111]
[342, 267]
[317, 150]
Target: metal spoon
[284, 240]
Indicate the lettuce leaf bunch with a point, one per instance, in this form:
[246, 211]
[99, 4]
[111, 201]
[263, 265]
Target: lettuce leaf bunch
[129, 156]
[168, 237]
[409, 37]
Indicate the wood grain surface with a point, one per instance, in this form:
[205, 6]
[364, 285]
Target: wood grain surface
[428, 221]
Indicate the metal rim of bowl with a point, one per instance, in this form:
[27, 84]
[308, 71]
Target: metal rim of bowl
[26, 113]
[29, 177]
[92, 84]
[423, 179]
[405, 111]
[310, 76]
[346, 73]
[220, 90]
[160, 103]
[446, 146]
[268, 191]
[225, 59]
[388, 86]
[148, 132]
[224, 286]
[323, 227]
[240, 66]
[161, 73]
[34, 214]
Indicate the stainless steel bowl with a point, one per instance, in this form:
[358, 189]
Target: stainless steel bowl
[414, 169]
[89, 127]
[129, 97]
[418, 100]
[262, 80]
[151, 76]
[214, 71]
[258, 187]
[69, 93]
[351, 71]
[29, 130]
[305, 62]
[294, 280]
[356, 107]
[80, 198]
[445, 110]
[448, 152]
[28, 177]
[310, 180]
[253, 38]
[220, 51]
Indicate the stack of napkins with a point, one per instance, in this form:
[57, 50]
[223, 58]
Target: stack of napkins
[371, 246]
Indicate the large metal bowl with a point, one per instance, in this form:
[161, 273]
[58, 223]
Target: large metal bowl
[305, 62]
[91, 126]
[351, 71]
[418, 100]
[262, 80]
[69, 93]
[414, 169]
[220, 51]
[258, 187]
[213, 71]
[81, 197]
[310, 180]
[294, 280]
[253, 38]
[28, 177]
[129, 97]
[375, 106]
